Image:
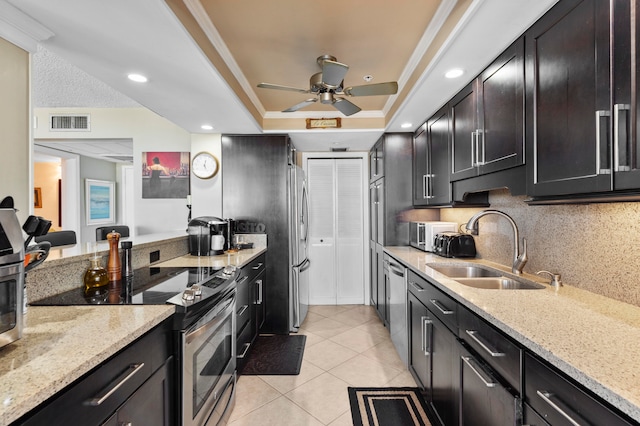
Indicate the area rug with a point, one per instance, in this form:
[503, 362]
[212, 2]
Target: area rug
[277, 354]
[388, 407]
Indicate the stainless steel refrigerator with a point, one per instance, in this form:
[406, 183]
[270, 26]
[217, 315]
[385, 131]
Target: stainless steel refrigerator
[298, 219]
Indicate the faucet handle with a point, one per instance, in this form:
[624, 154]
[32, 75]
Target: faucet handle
[556, 279]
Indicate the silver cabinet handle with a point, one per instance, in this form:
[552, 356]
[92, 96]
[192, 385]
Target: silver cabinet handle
[416, 286]
[246, 347]
[473, 365]
[258, 266]
[443, 309]
[427, 336]
[428, 185]
[242, 310]
[396, 269]
[479, 340]
[620, 144]
[478, 159]
[546, 397]
[119, 382]
[422, 332]
[473, 149]
[259, 301]
[599, 169]
[425, 187]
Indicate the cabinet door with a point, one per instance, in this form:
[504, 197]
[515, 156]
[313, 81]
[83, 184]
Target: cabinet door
[484, 401]
[445, 378]
[151, 403]
[439, 185]
[567, 106]
[500, 144]
[419, 347]
[420, 167]
[626, 102]
[464, 133]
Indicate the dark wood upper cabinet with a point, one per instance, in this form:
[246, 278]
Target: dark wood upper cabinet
[568, 103]
[431, 184]
[487, 118]
[625, 113]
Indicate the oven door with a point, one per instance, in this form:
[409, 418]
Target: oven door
[209, 361]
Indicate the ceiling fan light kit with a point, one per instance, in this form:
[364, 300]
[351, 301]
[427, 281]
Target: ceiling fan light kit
[330, 82]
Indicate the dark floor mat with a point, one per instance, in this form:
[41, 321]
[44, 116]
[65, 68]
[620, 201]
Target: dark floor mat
[388, 407]
[275, 355]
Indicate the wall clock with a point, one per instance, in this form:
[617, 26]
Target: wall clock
[205, 165]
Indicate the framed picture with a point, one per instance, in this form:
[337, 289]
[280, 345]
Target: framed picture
[165, 174]
[100, 202]
[37, 198]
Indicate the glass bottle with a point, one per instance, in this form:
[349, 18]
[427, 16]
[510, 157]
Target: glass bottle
[95, 278]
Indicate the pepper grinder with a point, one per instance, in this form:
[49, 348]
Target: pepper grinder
[114, 268]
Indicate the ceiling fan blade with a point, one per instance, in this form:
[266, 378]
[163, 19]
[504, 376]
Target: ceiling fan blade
[280, 87]
[345, 107]
[333, 73]
[388, 88]
[300, 105]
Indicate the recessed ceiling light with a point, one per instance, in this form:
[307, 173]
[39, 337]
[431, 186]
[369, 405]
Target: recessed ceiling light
[406, 125]
[206, 127]
[138, 78]
[454, 73]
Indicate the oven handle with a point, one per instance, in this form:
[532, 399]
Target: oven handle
[209, 319]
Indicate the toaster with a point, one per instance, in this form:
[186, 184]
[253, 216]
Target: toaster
[422, 234]
[454, 244]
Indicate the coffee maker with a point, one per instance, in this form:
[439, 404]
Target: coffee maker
[207, 236]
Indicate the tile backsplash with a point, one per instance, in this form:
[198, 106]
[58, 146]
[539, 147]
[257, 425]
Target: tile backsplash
[595, 247]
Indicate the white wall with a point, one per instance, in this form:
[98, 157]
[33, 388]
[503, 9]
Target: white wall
[15, 173]
[149, 132]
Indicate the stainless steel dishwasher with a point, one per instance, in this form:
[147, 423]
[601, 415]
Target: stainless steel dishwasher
[398, 306]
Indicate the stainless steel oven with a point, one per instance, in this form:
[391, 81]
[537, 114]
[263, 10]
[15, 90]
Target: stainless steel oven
[11, 277]
[209, 364]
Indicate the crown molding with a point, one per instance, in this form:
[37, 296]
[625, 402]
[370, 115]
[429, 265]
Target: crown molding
[20, 29]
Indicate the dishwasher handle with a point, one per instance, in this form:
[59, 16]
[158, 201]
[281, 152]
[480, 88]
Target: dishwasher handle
[396, 269]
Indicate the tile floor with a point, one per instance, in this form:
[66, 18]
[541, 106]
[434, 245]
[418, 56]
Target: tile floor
[347, 345]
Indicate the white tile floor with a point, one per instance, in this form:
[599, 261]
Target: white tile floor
[347, 345]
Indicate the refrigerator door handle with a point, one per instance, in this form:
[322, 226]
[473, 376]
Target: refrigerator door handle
[304, 265]
[304, 219]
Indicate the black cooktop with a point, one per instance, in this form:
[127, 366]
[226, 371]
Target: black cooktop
[149, 286]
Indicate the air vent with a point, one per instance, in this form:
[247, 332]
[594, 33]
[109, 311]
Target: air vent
[339, 149]
[70, 123]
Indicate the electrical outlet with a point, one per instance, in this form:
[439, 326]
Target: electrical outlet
[154, 256]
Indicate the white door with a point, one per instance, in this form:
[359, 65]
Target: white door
[336, 234]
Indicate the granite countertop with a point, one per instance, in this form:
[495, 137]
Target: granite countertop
[62, 343]
[239, 259]
[591, 338]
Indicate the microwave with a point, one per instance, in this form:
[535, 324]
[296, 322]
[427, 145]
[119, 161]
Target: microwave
[422, 234]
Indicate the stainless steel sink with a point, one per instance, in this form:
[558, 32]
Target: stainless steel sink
[498, 283]
[482, 277]
[458, 271]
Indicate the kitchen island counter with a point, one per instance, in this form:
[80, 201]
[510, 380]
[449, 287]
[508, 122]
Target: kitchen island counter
[237, 259]
[593, 339]
[62, 343]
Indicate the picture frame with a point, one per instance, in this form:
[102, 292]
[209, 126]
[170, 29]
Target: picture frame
[37, 198]
[166, 174]
[99, 202]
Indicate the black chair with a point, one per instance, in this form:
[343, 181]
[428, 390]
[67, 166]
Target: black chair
[101, 232]
[59, 238]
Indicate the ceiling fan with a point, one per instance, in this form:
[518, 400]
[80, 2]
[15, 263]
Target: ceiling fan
[329, 82]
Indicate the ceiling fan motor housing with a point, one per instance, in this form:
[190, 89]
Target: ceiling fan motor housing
[326, 98]
[318, 86]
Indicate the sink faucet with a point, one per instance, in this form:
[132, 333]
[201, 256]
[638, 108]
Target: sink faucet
[519, 257]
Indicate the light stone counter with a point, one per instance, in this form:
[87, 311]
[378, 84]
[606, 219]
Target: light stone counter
[60, 344]
[593, 339]
[239, 259]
